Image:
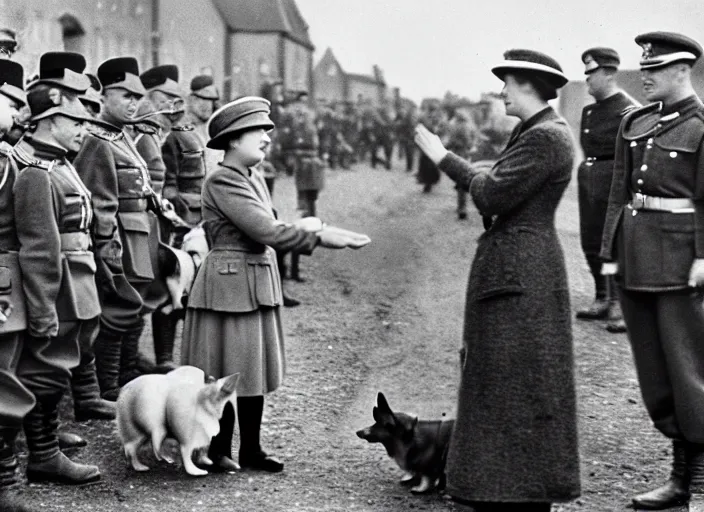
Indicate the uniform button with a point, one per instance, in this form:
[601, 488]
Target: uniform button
[643, 167]
[586, 130]
[650, 141]
[589, 112]
[673, 154]
[648, 146]
[634, 144]
[640, 182]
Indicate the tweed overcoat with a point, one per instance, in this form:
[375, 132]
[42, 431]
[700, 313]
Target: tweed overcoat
[515, 437]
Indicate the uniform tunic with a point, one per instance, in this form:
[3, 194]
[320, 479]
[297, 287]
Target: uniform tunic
[15, 399]
[515, 436]
[53, 216]
[598, 131]
[184, 158]
[660, 153]
[117, 176]
[233, 324]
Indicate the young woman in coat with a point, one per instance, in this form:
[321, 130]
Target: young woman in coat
[514, 446]
[233, 324]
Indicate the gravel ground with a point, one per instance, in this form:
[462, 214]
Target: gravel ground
[385, 318]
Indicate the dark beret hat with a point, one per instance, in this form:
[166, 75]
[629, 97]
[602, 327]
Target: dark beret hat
[12, 80]
[123, 73]
[162, 78]
[600, 57]
[203, 86]
[242, 114]
[532, 63]
[665, 48]
[63, 69]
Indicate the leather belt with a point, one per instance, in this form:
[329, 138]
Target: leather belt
[668, 204]
[75, 241]
[132, 205]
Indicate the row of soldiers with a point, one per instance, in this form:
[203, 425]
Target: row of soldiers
[99, 176]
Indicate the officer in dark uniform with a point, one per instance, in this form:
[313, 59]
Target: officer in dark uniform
[654, 243]
[600, 122]
[112, 169]
[53, 216]
[200, 105]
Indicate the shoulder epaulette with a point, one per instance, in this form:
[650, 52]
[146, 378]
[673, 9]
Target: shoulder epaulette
[641, 121]
[24, 159]
[106, 133]
[5, 149]
[183, 128]
[628, 109]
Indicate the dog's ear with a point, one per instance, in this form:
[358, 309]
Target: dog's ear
[382, 403]
[229, 385]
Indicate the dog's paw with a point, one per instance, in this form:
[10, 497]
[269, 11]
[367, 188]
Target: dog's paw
[426, 485]
[409, 478]
[138, 466]
[194, 471]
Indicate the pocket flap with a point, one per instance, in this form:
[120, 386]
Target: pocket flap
[682, 140]
[134, 221]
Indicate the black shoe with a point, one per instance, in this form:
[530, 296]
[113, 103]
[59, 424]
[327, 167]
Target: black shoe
[616, 326]
[462, 215]
[290, 302]
[94, 409]
[69, 441]
[672, 494]
[261, 462]
[223, 464]
[598, 310]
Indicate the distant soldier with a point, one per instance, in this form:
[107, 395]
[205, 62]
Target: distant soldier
[434, 119]
[383, 136]
[600, 123]
[405, 126]
[461, 140]
[200, 105]
[118, 178]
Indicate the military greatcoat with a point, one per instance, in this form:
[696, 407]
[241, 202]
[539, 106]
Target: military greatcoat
[515, 437]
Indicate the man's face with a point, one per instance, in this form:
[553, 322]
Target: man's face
[659, 83]
[67, 132]
[201, 107]
[8, 112]
[120, 104]
[597, 82]
[163, 101]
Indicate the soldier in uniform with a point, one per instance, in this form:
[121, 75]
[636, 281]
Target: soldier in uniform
[600, 122]
[462, 141]
[383, 135]
[201, 104]
[404, 126]
[117, 176]
[653, 243]
[53, 216]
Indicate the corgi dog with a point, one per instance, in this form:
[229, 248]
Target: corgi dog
[181, 405]
[419, 447]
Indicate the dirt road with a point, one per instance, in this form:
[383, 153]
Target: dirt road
[385, 318]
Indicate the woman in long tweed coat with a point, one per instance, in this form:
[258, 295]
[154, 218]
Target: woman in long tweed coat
[514, 446]
[233, 324]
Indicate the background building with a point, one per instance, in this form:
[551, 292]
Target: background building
[333, 84]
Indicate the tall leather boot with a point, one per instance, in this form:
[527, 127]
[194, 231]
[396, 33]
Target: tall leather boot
[220, 451]
[599, 309]
[616, 323]
[129, 358]
[10, 496]
[46, 462]
[295, 267]
[695, 465]
[108, 349]
[87, 403]
[250, 410]
[164, 334]
[675, 492]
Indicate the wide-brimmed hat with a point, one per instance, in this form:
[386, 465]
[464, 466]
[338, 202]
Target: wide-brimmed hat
[63, 69]
[12, 80]
[664, 48]
[162, 78]
[121, 73]
[203, 86]
[46, 101]
[600, 57]
[242, 114]
[531, 62]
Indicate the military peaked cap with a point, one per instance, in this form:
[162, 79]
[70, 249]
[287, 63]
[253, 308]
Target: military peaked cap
[121, 73]
[664, 48]
[162, 78]
[63, 69]
[242, 114]
[12, 80]
[600, 57]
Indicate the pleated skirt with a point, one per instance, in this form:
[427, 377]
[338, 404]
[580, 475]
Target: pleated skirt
[223, 343]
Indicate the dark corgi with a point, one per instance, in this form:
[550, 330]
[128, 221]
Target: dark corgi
[418, 447]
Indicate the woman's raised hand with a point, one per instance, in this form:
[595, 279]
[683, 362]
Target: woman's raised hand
[430, 144]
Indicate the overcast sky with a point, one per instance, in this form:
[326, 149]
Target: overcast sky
[427, 47]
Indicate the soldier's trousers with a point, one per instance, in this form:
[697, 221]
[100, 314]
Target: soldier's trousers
[15, 399]
[666, 331]
[407, 151]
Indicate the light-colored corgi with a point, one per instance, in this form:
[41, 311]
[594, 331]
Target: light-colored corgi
[180, 405]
